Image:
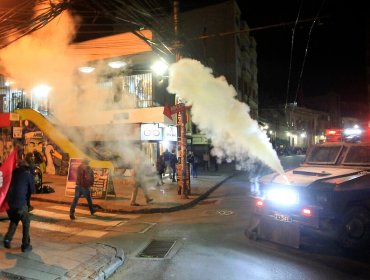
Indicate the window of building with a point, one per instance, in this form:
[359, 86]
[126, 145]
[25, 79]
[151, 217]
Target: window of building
[141, 88]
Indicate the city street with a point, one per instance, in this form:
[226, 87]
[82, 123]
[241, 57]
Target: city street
[204, 242]
[210, 244]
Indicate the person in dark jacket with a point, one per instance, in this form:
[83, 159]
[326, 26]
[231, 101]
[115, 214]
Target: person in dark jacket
[21, 187]
[173, 162]
[167, 157]
[160, 167]
[84, 181]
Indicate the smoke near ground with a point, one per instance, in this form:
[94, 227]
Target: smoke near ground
[225, 120]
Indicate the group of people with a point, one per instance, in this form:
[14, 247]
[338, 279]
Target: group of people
[22, 186]
[166, 163]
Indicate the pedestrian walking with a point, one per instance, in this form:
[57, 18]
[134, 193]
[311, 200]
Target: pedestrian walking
[138, 183]
[173, 162]
[160, 167]
[21, 187]
[84, 181]
[167, 157]
[195, 166]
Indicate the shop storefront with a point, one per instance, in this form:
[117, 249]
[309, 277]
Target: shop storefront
[156, 138]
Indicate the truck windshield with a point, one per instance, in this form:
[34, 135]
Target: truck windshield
[324, 154]
[358, 155]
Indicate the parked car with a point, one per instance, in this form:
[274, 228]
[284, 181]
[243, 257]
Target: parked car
[328, 194]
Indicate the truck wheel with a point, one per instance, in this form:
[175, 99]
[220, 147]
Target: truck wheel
[354, 232]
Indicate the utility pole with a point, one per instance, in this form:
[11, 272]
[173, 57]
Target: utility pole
[183, 175]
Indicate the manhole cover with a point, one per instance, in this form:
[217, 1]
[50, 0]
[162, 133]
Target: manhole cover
[157, 249]
[225, 212]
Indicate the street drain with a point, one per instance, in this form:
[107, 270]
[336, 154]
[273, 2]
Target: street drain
[157, 249]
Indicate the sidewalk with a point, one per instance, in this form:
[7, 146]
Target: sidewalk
[98, 261]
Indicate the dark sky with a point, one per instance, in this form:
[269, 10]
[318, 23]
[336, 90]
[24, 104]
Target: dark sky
[336, 54]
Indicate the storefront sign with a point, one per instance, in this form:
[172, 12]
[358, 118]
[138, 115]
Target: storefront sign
[151, 132]
[200, 140]
[170, 133]
[14, 117]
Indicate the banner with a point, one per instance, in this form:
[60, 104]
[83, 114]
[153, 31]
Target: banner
[101, 184]
[6, 170]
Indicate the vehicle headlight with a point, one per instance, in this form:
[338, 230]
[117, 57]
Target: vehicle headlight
[283, 196]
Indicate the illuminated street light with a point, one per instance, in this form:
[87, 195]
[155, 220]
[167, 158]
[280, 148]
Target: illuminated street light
[117, 64]
[86, 69]
[159, 67]
[8, 83]
[41, 91]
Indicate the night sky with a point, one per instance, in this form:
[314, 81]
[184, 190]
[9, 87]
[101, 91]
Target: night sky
[336, 56]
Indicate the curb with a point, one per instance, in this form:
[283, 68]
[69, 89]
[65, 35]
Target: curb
[111, 267]
[150, 210]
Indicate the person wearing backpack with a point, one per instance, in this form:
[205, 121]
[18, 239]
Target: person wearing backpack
[84, 181]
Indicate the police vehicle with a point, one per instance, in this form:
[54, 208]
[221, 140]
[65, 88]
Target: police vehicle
[328, 194]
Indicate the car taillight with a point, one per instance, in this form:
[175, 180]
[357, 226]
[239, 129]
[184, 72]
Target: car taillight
[307, 212]
[259, 203]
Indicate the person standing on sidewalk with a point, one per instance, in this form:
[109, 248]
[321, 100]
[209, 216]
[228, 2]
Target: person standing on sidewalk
[160, 167]
[84, 181]
[167, 157]
[21, 187]
[173, 162]
[138, 182]
[195, 166]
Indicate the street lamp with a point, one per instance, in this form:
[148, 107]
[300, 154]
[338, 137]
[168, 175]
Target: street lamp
[160, 67]
[117, 64]
[39, 97]
[86, 69]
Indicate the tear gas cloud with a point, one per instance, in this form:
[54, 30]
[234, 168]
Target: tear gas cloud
[45, 57]
[225, 120]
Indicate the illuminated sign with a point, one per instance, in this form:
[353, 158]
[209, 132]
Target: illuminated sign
[170, 133]
[151, 132]
[200, 140]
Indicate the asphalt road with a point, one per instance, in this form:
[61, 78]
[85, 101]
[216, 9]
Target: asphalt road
[210, 244]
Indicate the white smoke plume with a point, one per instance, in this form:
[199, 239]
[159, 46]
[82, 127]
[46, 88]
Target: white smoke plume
[44, 57]
[225, 120]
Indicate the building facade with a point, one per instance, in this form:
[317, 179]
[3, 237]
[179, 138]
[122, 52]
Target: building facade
[218, 37]
[293, 126]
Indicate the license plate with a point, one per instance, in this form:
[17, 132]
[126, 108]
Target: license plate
[283, 218]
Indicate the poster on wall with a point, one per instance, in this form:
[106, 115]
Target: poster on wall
[101, 180]
[17, 132]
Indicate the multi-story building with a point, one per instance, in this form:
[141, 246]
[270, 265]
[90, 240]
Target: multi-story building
[293, 126]
[216, 36]
[134, 96]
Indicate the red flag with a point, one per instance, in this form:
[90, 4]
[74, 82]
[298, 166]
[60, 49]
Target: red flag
[6, 171]
[167, 111]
